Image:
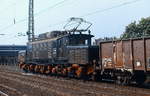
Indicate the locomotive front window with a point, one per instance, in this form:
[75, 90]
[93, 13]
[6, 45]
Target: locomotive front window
[78, 41]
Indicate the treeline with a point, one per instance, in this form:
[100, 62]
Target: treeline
[136, 29]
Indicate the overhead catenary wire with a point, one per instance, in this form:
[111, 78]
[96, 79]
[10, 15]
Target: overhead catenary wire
[50, 7]
[100, 11]
[110, 8]
[96, 12]
[85, 15]
[36, 14]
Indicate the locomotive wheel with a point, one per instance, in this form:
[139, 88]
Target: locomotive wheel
[79, 72]
[31, 67]
[64, 72]
[36, 69]
[42, 69]
[96, 77]
[21, 65]
[48, 70]
[54, 71]
[93, 77]
[72, 73]
[25, 68]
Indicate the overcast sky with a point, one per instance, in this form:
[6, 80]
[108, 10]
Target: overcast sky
[109, 17]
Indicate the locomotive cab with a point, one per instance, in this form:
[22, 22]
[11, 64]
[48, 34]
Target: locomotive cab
[71, 40]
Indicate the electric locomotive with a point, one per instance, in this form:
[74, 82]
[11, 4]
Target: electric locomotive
[66, 53]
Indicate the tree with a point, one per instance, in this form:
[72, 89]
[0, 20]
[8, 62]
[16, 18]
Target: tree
[140, 29]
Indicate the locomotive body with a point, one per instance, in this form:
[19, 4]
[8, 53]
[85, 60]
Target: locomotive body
[68, 54]
[56, 50]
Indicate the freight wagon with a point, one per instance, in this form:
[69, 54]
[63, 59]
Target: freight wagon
[125, 60]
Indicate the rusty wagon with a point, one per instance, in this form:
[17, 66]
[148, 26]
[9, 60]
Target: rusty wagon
[125, 60]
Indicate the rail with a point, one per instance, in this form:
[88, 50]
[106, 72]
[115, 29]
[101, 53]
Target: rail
[3, 94]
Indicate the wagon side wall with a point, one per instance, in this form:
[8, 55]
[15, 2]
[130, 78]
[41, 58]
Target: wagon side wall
[131, 54]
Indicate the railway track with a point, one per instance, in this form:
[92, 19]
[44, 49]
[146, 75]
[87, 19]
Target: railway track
[9, 91]
[3, 94]
[60, 89]
[64, 87]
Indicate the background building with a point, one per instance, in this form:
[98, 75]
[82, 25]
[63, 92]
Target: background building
[9, 54]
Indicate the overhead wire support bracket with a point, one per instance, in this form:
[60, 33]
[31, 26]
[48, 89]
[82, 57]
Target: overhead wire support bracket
[30, 31]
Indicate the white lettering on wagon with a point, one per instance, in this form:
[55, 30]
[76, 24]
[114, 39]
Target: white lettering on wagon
[107, 62]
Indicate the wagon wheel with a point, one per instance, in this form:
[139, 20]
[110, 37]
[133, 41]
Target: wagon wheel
[123, 80]
[120, 80]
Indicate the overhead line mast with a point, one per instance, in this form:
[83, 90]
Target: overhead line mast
[30, 31]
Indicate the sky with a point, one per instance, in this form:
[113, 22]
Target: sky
[108, 17]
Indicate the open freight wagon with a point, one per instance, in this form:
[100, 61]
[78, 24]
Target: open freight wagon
[126, 60]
